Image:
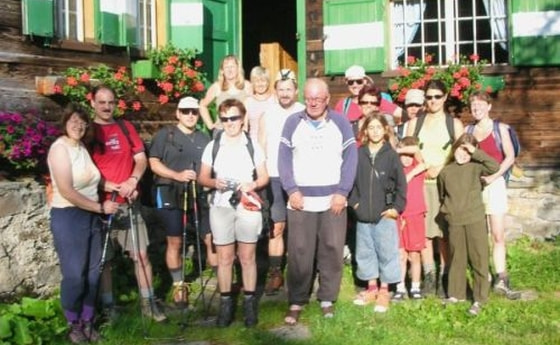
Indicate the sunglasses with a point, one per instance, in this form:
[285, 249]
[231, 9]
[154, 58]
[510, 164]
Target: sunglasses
[376, 103]
[413, 105]
[430, 97]
[230, 118]
[189, 111]
[354, 81]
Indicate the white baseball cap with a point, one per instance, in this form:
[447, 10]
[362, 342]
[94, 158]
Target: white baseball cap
[188, 103]
[355, 72]
[414, 96]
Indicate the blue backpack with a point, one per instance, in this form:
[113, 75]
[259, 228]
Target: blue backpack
[498, 138]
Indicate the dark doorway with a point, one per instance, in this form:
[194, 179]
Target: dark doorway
[267, 22]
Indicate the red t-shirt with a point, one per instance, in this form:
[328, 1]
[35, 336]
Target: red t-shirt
[415, 202]
[112, 152]
[355, 112]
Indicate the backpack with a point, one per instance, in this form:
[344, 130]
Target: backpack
[448, 123]
[498, 139]
[216, 148]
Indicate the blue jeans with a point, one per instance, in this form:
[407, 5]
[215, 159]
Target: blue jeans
[78, 243]
[377, 251]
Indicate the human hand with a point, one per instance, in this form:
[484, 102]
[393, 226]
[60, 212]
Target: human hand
[338, 203]
[110, 207]
[185, 175]
[127, 188]
[296, 200]
[390, 214]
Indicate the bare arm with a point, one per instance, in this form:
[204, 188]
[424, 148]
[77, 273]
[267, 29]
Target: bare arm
[411, 126]
[205, 102]
[128, 187]
[459, 128]
[262, 133]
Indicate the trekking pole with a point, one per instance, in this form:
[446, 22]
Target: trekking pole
[184, 293]
[107, 239]
[198, 245]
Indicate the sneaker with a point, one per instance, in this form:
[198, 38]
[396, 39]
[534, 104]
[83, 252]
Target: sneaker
[366, 297]
[475, 309]
[429, 284]
[91, 334]
[275, 282]
[416, 294]
[180, 294]
[399, 296]
[442, 285]
[382, 302]
[225, 315]
[451, 300]
[250, 311]
[502, 288]
[76, 334]
[151, 310]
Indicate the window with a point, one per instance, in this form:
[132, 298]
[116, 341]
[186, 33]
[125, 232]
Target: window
[70, 24]
[447, 29]
[146, 24]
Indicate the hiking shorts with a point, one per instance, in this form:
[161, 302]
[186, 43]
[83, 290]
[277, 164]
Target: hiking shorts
[230, 224]
[494, 197]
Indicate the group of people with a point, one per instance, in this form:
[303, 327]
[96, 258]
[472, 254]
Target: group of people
[401, 179]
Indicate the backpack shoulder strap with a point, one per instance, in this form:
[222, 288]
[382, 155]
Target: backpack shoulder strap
[450, 124]
[215, 149]
[419, 123]
[124, 129]
[470, 128]
[346, 105]
[497, 134]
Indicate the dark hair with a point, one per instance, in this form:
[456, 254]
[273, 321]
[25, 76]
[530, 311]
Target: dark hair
[230, 103]
[371, 90]
[362, 135]
[409, 141]
[435, 84]
[71, 109]
[465, 138]
[100, 87]
[481, 95]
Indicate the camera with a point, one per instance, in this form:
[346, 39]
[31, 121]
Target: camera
[389, 198]
[231, 184]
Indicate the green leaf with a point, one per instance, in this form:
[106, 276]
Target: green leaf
[36, 308]
[22, 335]
[5, 329]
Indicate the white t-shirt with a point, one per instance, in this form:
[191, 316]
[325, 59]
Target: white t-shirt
[232, 163]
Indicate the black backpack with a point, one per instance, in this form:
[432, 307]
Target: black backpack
[216, 148]
[448, 123]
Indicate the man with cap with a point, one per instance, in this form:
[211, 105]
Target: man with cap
[271, 124]
[175, 160]
[355, 77]
[413, 106]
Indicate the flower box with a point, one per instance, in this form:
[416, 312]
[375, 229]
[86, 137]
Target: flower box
[494, 82]
[144, 69]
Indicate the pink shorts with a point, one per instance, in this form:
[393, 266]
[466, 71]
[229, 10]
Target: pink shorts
[412, 232]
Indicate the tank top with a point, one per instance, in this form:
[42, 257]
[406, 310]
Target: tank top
[255, 109]
[489, 146]
[433, 140]
[85, 175]
[232, 92]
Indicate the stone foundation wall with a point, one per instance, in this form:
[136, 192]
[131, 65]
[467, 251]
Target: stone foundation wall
[29, 265]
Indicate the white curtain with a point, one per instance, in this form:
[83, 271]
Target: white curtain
[497, 9]
[407, 22]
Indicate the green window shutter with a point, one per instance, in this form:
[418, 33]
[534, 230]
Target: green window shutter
[110, 26]
[185, 23]
[535, 32]
[130, 33]
[354, 33]
[38, 17]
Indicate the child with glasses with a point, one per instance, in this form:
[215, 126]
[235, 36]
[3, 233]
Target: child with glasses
[459, 186]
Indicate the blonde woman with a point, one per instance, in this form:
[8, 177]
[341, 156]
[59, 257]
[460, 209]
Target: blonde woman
[231, 83]
[261, 100]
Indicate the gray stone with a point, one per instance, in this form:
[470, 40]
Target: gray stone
[297, 332]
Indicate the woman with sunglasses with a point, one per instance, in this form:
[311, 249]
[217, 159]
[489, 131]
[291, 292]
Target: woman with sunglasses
[230, 171]
[174, 158]
[356, 79]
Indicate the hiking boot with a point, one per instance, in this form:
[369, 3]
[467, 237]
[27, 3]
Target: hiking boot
[502, 288]
[151, 310]
[442, 285]
[429, 284]
[475, 309]
[275, 282]
[76, 333]
[225, 315]
[250, 311]
[180, 294]
[366, 297]
[382, 302]
[91, 334]
[109, 313]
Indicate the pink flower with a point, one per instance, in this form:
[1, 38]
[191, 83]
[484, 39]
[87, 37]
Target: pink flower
[173, 59]
[464, 82]
[191, 73]
[140, 88]
[89, 96]
[71, 81]
[57, 89]
[166, 86]
[122, 104]
[136, 105]
[10, 129]
[169, 69]
[163, 99]
[118, 75]
[139, 81]
[410, 60]
[197, 86]
[428, 58]
[84, 77]
[474, 57]
[197, 63]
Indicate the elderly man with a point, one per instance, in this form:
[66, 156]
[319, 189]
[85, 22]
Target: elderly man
[318, 165]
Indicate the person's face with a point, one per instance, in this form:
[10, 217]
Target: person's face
[412, 110]
[75, 127]
[461, 155]
[406, 160]
[355, 85]
[480, 109]
[435, 99]
[103, 105]
[188, 117]
[230, 69]
[286, 93]
[232, 121]
[375, 132]
[368, 103]
[316, 100]
[260, 85]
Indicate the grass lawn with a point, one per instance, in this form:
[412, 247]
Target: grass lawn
[533, 266]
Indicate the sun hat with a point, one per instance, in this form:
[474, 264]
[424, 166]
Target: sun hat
[188, 103]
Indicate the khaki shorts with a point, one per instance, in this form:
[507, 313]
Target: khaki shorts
[122, 232]
[230, 225]
[494, 197]
[436, 226]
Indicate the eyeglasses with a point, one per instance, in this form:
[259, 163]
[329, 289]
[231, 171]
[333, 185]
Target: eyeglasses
[430, 97]
[316, 100]
[375, 103]
[230, 118]
[413, 105]
[354, 81]
[189, 111]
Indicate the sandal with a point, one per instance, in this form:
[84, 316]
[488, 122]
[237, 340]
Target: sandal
[328, 312]
[180, 294]
[292, 317]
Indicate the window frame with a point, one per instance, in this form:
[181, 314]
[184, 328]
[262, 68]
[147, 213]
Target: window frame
[63, 14]
[145, 31]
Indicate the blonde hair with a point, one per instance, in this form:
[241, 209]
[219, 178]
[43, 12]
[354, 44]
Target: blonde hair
[240, 79]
